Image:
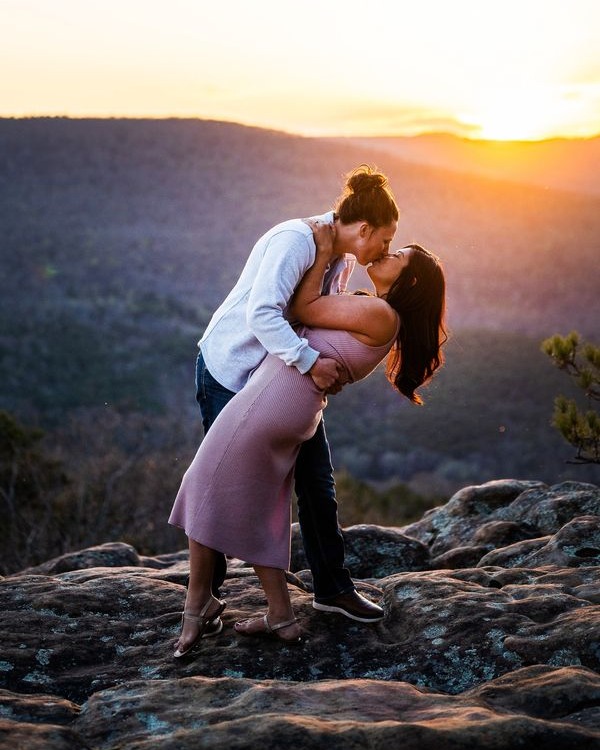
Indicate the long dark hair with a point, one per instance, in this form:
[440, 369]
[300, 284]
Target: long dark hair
[366, 197]
[419, 297]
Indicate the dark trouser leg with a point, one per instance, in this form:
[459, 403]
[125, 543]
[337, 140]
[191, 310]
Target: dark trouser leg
[212, 397]
[317, 513]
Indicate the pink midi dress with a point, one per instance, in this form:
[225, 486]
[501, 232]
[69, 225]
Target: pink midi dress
[235, 497]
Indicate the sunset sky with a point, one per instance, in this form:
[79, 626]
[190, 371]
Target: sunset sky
[522, 69]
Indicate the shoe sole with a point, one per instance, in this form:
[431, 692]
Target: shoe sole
[340, 611]
[210, 633]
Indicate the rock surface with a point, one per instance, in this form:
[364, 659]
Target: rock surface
[491, 638]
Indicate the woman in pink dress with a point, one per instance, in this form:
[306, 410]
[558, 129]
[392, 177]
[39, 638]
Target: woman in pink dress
[236, 495]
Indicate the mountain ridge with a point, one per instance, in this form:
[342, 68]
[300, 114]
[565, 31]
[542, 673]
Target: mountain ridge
[569, 164]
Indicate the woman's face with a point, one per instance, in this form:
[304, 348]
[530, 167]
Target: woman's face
[372, 244]
[385, 271]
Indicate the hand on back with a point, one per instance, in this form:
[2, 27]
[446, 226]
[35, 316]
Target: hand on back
[325, 374]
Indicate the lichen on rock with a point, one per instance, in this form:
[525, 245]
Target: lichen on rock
[491, 630]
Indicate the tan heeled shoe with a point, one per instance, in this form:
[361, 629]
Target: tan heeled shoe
[208, 625]
[269, 630]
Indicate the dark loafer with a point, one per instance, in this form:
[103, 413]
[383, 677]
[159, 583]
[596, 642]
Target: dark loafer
[352, 605]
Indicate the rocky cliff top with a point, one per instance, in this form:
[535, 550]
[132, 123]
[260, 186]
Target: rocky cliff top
[491, 637]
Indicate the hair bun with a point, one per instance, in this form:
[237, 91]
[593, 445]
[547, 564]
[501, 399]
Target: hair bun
[366, 197]
[366, 178]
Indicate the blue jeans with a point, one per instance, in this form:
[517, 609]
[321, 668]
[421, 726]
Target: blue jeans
[315, 490]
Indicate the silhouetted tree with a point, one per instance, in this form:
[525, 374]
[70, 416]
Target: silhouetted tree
[582, 362]
[31, 488]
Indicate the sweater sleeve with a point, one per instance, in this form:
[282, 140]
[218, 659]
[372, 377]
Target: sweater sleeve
[286, 259]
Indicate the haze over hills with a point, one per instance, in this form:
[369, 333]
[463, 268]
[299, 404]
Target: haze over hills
[559, 164]
[120, 237]
[518, 257]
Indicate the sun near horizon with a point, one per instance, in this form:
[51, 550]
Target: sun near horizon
[497, 71]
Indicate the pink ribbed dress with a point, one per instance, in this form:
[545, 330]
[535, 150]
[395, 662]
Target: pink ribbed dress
[235, 495]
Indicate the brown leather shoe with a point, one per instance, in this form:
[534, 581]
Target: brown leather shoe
[352, 605]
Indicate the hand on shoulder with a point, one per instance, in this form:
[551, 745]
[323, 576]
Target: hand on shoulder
[324, 236]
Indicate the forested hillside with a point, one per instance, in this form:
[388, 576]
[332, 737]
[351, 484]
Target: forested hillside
[119, 238]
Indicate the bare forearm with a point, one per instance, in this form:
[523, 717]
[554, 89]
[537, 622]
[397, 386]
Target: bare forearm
[309, 289]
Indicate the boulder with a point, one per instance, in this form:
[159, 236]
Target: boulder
[575, 545]
[490, 517]
[456, 523]
[110, 555]
[371, 551]
[239, 713]
[491, 642]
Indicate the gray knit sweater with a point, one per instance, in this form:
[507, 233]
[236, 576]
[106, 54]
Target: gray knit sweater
[252, 320]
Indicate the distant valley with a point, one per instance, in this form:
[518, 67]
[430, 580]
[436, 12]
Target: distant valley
[120, 237]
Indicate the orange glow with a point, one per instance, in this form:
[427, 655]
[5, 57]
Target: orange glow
[524, 114]
[335, 68]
